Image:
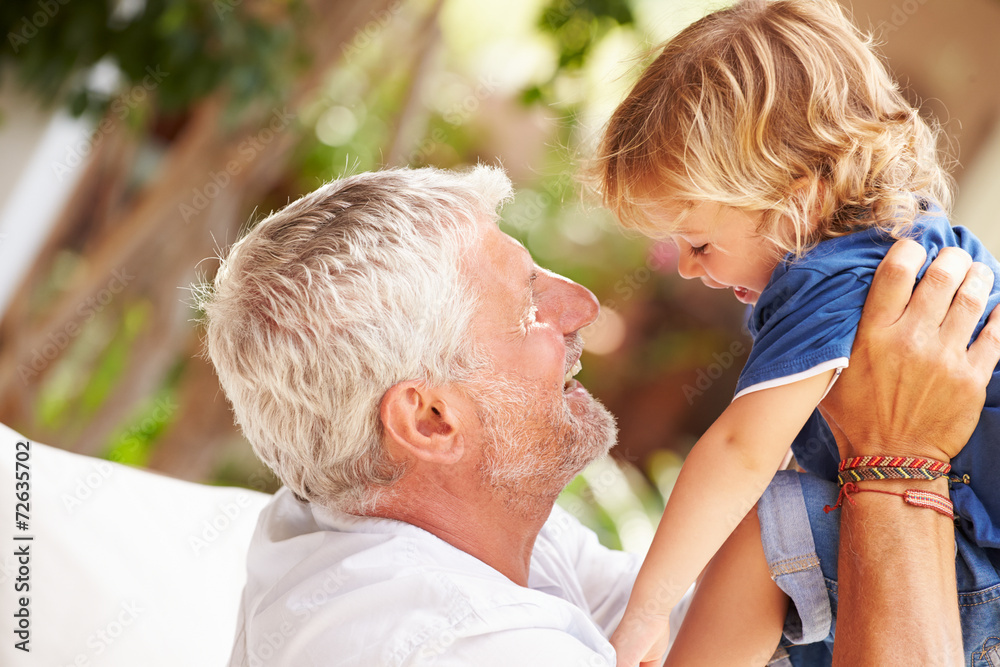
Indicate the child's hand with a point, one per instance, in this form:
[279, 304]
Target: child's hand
[641, 639]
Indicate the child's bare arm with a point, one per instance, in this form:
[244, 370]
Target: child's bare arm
[738, 611]
[722, 478]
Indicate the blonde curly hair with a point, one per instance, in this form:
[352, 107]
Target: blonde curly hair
[780, 107]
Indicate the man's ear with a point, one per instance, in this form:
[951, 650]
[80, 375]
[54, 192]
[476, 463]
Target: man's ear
[426, 422]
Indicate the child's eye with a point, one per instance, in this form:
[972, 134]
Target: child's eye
[699, 250]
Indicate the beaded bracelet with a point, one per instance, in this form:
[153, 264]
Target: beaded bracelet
[894, 462]
[934, 501]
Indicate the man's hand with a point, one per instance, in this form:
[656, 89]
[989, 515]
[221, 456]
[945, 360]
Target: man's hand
[914, 387]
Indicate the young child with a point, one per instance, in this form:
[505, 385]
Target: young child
[770, 143]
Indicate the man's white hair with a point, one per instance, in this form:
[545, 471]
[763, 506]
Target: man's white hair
[329, 302]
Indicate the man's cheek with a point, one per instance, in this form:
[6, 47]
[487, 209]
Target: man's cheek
[540, 366]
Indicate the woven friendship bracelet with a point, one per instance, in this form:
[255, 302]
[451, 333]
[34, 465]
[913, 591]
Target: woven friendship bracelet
[875, 473]
[894, 462]
[926, 499]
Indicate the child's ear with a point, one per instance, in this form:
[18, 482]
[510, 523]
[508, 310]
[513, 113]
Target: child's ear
[425, 422]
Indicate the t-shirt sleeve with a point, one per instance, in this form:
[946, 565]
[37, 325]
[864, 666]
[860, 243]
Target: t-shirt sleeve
[803, 324]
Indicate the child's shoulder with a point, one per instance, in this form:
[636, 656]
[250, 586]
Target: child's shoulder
[861, 252]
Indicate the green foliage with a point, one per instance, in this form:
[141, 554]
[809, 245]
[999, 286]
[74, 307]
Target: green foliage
[111, 364]
[618, 502]
[578, 24]
[525, 86]
[185, 49]
[135, 441]
[360, 98]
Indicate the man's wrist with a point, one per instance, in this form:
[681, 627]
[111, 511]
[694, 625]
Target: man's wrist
[939, 485]
[888, 448]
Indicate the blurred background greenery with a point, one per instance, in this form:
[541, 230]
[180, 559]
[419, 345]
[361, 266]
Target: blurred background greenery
[138, 137]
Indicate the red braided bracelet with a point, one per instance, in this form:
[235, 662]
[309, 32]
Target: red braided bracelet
[934, 501]
[895, 462]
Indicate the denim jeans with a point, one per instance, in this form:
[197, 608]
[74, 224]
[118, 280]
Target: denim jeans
[801, 540]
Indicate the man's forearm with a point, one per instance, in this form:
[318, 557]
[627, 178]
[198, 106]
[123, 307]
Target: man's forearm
[915, 388]
[897, 595]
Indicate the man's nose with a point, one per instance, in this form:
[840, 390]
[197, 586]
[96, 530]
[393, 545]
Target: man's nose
[573, 306]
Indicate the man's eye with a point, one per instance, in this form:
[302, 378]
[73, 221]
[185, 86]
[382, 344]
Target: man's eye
[699, 250]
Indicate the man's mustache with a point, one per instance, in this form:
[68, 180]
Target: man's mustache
[574, 348]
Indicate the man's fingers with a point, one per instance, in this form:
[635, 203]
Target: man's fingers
[968, 306]
[893, 284]
[933, 296]
[984, 353]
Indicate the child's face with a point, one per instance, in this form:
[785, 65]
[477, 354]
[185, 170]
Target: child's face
[719, 245]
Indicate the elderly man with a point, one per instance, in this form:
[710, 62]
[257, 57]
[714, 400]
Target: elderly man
[407, 371]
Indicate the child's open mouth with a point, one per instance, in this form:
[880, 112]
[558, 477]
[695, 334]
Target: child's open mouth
[742, 293]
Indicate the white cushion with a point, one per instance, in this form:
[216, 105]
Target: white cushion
[127, 567]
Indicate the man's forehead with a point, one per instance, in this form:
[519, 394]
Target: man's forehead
[518, 246]
[498, 259]
[494, 238]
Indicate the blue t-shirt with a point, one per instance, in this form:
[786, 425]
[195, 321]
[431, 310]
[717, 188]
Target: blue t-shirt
[806, 319]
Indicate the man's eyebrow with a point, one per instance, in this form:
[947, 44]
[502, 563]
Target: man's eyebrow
[526, 259]
[529, 287]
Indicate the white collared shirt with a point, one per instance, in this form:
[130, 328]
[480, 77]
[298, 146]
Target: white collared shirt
[327, 588]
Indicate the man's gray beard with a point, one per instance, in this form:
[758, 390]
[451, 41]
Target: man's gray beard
[533, 448]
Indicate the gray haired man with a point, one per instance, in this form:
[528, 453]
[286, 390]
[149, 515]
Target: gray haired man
[406, 369]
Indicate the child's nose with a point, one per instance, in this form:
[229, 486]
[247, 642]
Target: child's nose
[688, 267]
